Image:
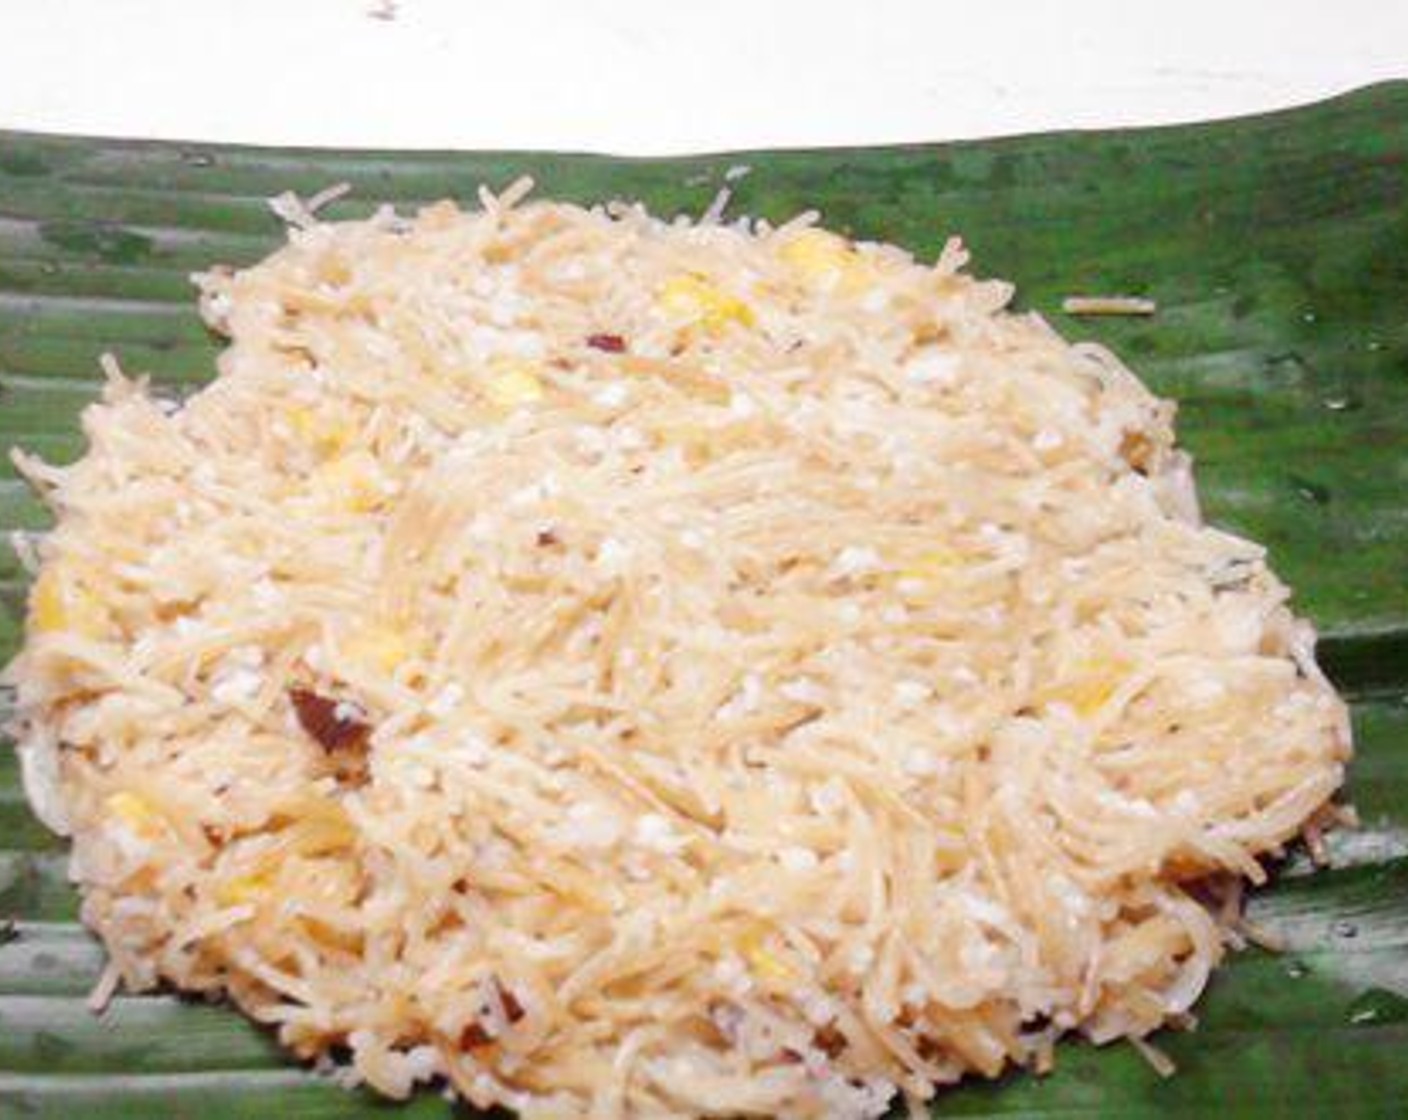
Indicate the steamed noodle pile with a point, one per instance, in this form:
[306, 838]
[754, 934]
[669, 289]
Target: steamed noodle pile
[652, 669]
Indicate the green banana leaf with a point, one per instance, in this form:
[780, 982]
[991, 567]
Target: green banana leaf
[1277, 249]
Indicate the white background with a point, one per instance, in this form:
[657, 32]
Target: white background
[657, 76]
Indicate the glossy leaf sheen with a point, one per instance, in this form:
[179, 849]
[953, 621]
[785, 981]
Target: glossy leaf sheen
[1277, 249]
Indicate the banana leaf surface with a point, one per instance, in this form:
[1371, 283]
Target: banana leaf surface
[1276, 248]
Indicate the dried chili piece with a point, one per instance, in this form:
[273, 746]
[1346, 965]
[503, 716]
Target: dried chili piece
[337, 725]
[607, 343]
[474, 1036]
[340, 728]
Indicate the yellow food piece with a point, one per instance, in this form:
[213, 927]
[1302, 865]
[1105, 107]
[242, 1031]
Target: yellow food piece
[818, 255]
[59, 602]
[1091, 687]
[770, 967]
[767, 965]
[815, 252]
[329, 936]
[379, 647]
[926, 571]
[694, 298]
[824, 259]
[320, 837]
[352, 483]
[515, 387]
[327, 435]
[135, 812]
[243, 888]
[931, 564]
[311, 826]
[303, 422]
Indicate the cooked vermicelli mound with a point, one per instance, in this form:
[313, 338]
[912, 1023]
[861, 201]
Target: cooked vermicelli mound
[639, 668]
